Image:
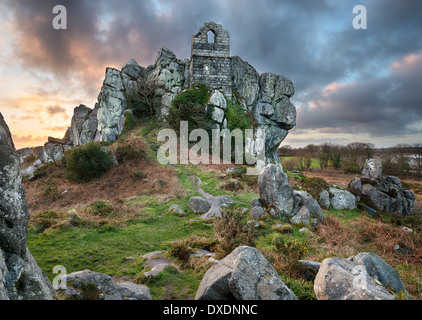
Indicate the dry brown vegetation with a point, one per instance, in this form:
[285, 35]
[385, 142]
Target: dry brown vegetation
[364, 234]
[139, 176]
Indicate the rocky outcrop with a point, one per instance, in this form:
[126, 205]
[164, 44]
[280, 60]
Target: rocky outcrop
[20, 276]
[266, 97]
[88, 285]
[381, 193]
[245, 274]
[278, 197]
[13, 205]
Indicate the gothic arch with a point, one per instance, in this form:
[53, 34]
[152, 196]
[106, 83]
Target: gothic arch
[211, 36]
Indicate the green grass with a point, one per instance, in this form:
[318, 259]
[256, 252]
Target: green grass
[104, 250]
[172, 284]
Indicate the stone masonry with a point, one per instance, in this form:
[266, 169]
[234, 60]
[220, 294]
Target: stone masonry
[210, 61]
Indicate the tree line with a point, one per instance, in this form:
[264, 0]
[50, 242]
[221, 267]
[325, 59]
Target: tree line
[399, 160]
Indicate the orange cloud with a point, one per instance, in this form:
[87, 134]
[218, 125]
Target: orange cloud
[333, 87]
[406, 62]
[25, 141]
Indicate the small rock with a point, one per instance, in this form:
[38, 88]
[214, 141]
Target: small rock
[402, 249]
[175, 209]
[257, 212]
[406, 229]
[302, 218]
[256, 203]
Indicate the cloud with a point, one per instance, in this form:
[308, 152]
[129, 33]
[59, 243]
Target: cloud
[29, 140]
[57, 128]
[53, 110]
[347, 81]
[379, 106]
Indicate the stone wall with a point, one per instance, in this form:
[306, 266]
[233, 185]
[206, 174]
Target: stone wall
[211, 62]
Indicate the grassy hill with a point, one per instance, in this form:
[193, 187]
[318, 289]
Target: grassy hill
[109, 223]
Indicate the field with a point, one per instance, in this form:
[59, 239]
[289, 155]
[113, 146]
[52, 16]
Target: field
[108, 224]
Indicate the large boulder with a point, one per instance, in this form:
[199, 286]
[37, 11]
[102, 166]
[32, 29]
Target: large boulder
[372, 169]
[275, 191]
[381, 271]
[13, 205]
[267, 96]
[245, 274]
[22, 279]
[82, 284]
[355, 187]
[199, 205]
[304, 199]
[20, 276]
[342, 279]
[342, 199]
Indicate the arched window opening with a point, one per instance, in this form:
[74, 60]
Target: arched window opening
[211, 36]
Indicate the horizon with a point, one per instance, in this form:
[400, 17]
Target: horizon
[351, 85]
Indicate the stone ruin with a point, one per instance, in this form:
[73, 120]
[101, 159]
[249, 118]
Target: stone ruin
[210, 60]
[266, 96]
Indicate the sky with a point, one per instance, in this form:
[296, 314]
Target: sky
[351, 85]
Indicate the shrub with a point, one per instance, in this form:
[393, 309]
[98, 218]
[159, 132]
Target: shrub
[192, 97]
[44, 220]
[100, 209]
[352, 167]
[47, 169]
[237, 118]
[314, 186]
[50, 193]
[190, 106]
[231, 232]
[182, 249]
[130, 121]
[290, 164]
[88, 162]
[138, 175]
[232, 185]
[238, 172]
[129, 152]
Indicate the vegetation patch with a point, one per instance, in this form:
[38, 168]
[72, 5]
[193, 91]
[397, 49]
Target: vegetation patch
[87, 162]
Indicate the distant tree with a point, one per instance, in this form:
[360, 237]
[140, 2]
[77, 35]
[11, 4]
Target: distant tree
[324, 155]
[402, 152]
[417, 154]
[285, 151]
[355, 155]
